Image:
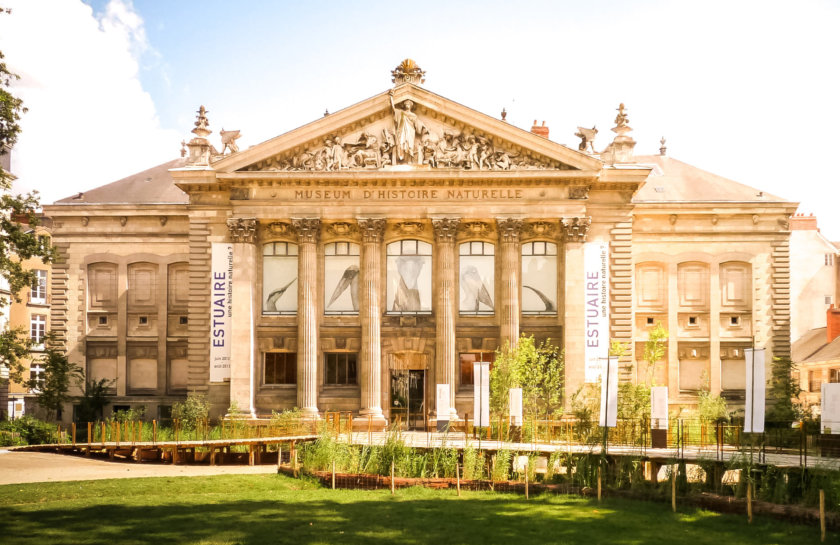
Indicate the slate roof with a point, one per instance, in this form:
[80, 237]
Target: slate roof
[812, 348]
[152, 186]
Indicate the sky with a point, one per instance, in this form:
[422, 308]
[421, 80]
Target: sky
[746, 89]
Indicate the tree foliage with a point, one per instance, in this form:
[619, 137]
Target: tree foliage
[52, 386]
[93, 399]
[784, 390]
[538, 370]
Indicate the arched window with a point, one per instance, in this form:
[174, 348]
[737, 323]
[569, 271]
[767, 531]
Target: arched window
[102, 286]
[409, 288]
[280, 269]
[341, 278]
[539, 278]
[477, 275]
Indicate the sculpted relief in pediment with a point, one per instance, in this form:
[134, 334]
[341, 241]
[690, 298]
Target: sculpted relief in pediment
[408, 137]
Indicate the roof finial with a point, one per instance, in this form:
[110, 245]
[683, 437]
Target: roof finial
[408, 72]
[326, 112]
[199, 146]
[662, 148]
[201, 123]
[183, 148]
[504, 114]
[621, 148]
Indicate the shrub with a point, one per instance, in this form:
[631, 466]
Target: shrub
[192, 411]
[26, 430]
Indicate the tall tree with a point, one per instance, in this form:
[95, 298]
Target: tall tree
[52, 387]
[18, 217]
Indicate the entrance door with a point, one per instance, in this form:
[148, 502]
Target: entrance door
[408, 394]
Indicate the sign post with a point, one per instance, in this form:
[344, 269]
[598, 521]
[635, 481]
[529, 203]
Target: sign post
[609, 396]
[221, 310]
[481, 395]
[756, 385]
[443, 407]
[596, 264]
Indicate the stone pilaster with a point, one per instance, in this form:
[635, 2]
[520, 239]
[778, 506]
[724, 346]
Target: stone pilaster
[243, 234]
[308, 232]
[446, 300]
[574, 286]
[370, 313]
[509, 232]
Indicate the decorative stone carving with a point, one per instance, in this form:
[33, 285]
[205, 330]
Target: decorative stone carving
[715, 219]
[200, 148]
[123, 220]
[240, 193]
[163, 220]
[579, 192]
[509, 229]
[540, 229]
[476, 228]
[85, 221]
[342, 229]
[243, 229]
[280, 228]
[229, 141]
[784, 223]
[408, 72]
[410, 227]
[575, 229]
[445, 228]
[371, 229]
[307, 229]
[755, 219]
[672, 219]
[587, 138]
[621, 148]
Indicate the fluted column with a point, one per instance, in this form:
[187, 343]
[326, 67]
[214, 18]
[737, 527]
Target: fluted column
[370, 312]
[574, 304]
[243, 234]
[445, 306]
[308, 231]
[509, 232]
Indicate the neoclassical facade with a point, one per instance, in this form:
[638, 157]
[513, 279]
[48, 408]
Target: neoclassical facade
[359, 261]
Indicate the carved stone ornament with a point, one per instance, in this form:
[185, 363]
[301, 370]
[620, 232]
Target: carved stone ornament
[371, 229]
[540, 229]
[229, 141]
[715, 219]
[408, 72]
[280, 229]
[445, 228]
[672, 219]
[575, 229]
[410, 227]
[476, 228]
[307, 229]
[579, 192]
[755, 219]
[123, 220]
[163, 220]
[509, 229]
[240, 193]
[242, 229]
[85, 221]
[342, 229]
[784, 223]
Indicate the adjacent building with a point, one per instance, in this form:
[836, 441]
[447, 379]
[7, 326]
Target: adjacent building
[358, 261]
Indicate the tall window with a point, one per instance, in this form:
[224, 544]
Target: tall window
[340, 368]
[539, 278]
[37, 329]
[36, 375]
[341, 278]
[476, 278]
[280, 368]
[38, 289]
[409, 288]
[468, 359]
[280, 269]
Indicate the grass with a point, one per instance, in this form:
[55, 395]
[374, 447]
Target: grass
[232, 509]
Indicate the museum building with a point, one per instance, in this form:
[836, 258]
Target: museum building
[358, 261]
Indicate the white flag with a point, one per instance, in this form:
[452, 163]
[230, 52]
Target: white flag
[596, 342]
[443, 402]
[609, 392]
[481, 393]
[756, 385]
[515, 397]
[830, 414]
[659, 407]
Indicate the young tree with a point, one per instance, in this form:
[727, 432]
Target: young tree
[93, 400]
[538, 370]
[52, 387]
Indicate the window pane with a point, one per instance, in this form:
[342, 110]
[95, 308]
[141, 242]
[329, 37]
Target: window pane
[351, 368]
[291, 367]
[341, 378]
[467, 361]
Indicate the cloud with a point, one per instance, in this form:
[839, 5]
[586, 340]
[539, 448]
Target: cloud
[89, 122]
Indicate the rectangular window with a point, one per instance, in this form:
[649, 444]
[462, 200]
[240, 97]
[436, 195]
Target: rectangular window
[280, 368]
[38, 289]
[37, 329]
[36, 375]
[834, 375]
[340, 368]
[467, 361]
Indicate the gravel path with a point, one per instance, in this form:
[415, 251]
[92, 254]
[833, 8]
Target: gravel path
[36, 467]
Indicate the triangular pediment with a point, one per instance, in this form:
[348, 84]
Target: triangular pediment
[406, 128]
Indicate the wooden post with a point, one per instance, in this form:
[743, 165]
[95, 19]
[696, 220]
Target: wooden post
[74, 434]
[392, 477]
[251, 454]
[295, 466]
[749, 500]
[526, 482]
[458, 478]
[333, 474]
[154, 431]
[90, 433]
[674, 487]
[58, 434]
[103, 434]
[822, 515]
[599, 482]
[370, 422]
[279, 455]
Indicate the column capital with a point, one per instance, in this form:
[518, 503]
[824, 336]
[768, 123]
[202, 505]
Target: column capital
[445, 228]
[307, 229]
[243, 229]
[575, 229]
[509, 229]
[371, 229]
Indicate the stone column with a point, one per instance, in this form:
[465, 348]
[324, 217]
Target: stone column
[370, 315]
[574, 308]
[509, 231]
[243, 234]
[308, 232]
[446, 300]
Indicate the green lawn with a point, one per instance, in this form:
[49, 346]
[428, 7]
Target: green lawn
[275, 509]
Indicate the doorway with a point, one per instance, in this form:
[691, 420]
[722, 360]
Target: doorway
[408, 398]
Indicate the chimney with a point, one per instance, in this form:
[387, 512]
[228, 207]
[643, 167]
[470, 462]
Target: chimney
[801, 222]
[540, 130]
[832, 323]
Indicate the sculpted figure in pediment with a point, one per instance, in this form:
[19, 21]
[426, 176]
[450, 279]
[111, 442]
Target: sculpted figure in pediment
[407, 126]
